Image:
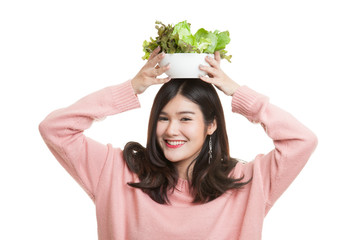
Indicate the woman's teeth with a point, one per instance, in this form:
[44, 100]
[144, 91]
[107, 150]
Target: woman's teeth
[175, 143]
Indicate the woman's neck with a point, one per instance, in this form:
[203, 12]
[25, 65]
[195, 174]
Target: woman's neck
[183, 171]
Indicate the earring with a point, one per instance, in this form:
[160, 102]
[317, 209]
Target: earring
[210, 150]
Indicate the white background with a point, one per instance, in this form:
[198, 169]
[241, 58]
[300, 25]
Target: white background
[304, 55]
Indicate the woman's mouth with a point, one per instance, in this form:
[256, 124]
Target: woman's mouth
[174, 144]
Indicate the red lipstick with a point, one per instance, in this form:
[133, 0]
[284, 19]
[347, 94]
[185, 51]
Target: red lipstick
[177, 145]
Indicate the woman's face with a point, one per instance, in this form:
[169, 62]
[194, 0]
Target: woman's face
[181, 131]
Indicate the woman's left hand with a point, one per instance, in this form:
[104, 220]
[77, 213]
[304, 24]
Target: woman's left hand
[217, 76]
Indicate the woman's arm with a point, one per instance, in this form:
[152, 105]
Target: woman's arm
[62, 131]
[294, 143]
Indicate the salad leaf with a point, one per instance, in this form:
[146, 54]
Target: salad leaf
[223, 38]
[184, 32]
[205, 41]
[224, 56]
[179, 39]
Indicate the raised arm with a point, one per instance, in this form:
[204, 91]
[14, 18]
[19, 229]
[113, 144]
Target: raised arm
[294, 143]
[62, 131]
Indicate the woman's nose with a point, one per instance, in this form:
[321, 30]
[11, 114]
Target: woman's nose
[172, 129]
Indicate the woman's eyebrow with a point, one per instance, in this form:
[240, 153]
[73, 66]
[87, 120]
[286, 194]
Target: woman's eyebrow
[179, 113]
[185, 112]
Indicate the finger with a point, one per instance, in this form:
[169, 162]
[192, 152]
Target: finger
[217, 57]
[212, 62]
[209, 70]
[155, 60]
[154, 53]
[162, 80]
[206, 79]
[160, 70]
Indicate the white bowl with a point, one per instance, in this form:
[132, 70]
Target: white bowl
[185, 65]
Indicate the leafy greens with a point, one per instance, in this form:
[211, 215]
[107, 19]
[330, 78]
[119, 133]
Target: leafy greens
[178, 39]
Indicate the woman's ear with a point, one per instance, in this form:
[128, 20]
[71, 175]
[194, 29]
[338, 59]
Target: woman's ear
[211, 127]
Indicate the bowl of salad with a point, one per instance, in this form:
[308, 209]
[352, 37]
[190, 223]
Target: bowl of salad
[185, 65]
[185, 51]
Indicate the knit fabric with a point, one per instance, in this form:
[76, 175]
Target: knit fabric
[124, 212]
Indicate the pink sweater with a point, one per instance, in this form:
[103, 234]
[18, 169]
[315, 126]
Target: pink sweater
[124, 212]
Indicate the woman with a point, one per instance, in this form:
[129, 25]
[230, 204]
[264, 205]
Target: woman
[184, 184]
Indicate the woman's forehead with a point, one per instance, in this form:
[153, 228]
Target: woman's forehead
[181, 105]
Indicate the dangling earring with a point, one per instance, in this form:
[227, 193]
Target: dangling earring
[210, 150]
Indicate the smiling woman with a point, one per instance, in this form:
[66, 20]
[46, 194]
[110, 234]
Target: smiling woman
[183, 184]
[181, 131]
[185, 115]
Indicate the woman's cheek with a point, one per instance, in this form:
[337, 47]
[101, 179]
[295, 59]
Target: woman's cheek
[193, 130]
[160, 132]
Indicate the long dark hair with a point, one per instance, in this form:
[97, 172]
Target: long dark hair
[158, 176]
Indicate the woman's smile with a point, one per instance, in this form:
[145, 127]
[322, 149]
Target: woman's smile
[181, 131]
[174, 143]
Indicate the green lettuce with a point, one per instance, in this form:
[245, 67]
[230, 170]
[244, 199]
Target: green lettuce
[179, 39]
[205, 41]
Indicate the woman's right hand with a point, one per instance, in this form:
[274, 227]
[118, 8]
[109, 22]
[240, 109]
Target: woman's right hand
[147, 75]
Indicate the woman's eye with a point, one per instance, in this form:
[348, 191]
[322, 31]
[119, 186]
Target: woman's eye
[163, 118]
[186, 119]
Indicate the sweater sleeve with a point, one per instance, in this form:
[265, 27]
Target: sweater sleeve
[294, 143]
[62, 131]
